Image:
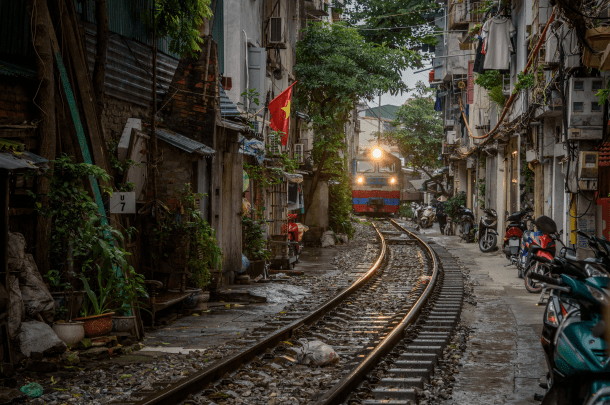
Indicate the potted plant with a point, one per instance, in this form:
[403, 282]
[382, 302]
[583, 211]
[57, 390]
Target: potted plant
[254, 246]
[130, 289]
[97, 313]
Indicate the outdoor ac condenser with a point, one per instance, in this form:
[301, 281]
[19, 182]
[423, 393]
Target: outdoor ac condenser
[276, 30]
[451, 137]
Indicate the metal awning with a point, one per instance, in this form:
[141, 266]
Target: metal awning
[21, 161]
[418, 184]
[184, 143]
[227, 108]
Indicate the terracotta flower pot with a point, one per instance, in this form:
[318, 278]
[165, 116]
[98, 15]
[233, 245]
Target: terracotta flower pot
[123, 323]
[70, 332]
[97, 325]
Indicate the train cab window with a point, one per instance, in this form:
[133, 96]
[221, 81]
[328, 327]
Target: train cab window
[387, 168]
[364, 166]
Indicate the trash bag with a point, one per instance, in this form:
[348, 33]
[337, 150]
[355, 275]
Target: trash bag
[328, 239]
[16, 251]
[245, 263]
[343, 238]
[316, 353]
[36, 297]
[32, 390]
[16, 310]
[38, 337]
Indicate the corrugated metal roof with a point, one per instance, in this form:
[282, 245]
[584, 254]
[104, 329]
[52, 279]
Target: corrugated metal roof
[184, 143]
[227, 108]
[129, 68]
[10, 69]
[15, 29]
[125, 18]
[25, 160]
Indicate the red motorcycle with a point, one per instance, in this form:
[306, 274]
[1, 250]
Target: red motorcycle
[292, 229]
[542, 244]
[516, 225]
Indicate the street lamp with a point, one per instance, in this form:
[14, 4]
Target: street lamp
[377, 153]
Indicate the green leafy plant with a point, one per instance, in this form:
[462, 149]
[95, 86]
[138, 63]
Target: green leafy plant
[187, 225]
[490, 79]
[453, 204]
[603, 94]
[405, 210]
[99, 301]
[340, 193]
[254, 246]
[496, 95]
[475, 30]
[524, 81]
[180, 21]
[119, 167]
[80, 244]
[481, 193]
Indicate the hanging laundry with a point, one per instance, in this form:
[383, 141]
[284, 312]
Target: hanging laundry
[438, 105]
[498, 47]
[479, 59]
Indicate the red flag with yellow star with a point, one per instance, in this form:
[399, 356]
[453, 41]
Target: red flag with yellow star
[279, 108]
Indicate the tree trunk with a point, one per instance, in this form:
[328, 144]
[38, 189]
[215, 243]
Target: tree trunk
[314, 183]
[101, 53]
[47, 128]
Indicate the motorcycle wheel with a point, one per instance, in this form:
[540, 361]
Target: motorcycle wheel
[466, 232]
[487, 242]
[534, 286]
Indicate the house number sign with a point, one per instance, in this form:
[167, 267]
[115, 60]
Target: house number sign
[123, 203]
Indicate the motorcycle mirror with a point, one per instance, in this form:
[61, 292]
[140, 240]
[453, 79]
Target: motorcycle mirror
[507, 213]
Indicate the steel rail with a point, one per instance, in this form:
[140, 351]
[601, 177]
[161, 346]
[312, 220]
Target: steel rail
[348, 384]
[198, 381]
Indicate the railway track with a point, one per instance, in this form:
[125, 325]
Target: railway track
[389, 327]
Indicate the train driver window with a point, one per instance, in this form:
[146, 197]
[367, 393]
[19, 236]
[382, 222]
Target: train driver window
[364, 166]
[387, 168]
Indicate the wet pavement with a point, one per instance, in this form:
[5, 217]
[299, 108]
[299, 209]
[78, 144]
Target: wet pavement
[504, 362]
[230, 320]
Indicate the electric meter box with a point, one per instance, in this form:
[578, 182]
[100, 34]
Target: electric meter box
[584, 111]
[588, 163]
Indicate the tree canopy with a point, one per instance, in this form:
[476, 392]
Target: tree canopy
[419, 134]
[396, 23]
[336, 68]
[180, 20]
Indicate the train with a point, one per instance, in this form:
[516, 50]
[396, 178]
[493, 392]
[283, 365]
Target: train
[377, 183]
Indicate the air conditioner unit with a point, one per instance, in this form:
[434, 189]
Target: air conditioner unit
[451, 137]
[449, 123]
[276, 30]
[585, 114]
[299, 152]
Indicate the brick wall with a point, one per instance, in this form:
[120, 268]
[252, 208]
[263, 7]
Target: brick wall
[15, 99]
[188, 112]
[115, 114]
[175, 170]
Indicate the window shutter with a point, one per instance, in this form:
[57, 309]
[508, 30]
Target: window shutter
[470, 85]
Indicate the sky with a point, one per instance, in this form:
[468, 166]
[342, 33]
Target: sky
[410, 78]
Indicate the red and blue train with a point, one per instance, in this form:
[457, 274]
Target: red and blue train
[376, 183]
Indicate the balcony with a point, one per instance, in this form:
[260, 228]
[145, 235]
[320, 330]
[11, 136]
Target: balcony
[464, 12]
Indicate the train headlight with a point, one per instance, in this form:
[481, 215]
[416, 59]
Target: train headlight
[392, 180]
[360, 180]
[376, 153]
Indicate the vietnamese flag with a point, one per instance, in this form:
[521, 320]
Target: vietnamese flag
[279, 108]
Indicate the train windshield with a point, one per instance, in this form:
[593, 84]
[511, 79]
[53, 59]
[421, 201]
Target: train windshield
[387, 168]
[364, 166]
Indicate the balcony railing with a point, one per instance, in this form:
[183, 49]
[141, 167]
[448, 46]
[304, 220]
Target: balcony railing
[463, 12]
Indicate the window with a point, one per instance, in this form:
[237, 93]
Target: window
[579, 85]
[595, 106]
[578, 106]
[387, 168]
[597, 85]
[364, 166]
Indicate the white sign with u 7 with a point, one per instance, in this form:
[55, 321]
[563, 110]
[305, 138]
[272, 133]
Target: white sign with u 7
[123, 203]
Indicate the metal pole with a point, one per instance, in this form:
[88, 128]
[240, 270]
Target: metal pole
[153, 133]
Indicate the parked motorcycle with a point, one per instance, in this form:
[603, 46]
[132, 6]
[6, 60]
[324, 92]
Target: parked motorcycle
[488, 230]
[537, 244]
[416, 208]
[516, 224]
[427, 217]
[575, 325]
[466, 222]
